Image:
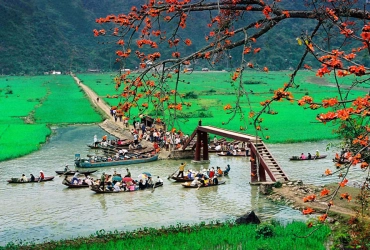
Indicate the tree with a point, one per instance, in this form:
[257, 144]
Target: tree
[336, 37]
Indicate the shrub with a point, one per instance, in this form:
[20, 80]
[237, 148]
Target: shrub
[191, 95]
[278, 184]
[265, 230]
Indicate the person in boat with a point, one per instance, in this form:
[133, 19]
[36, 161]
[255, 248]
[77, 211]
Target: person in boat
[190, 175]
[75, 179]
[23, 178]
[205, 181]
[117, 187]
[131, 146]
[42, 176]
[181, 170]
[159, 181]
[227, 170]
[128, 173]
[110, 186]
[142, 186]
[212, 172]
[120, 152]
[149, 182]
[219, 171]
[116, 178]
[317, 154]
[89, 181]
[32, 177]
[195, 182]
[136, 139]
[309, 156]
[205, 174]
[303, 157]
[215, 180]
[95, 141]
[218, 147]
[66, 169]
[102, 180]
[199, 175]
[108, 180]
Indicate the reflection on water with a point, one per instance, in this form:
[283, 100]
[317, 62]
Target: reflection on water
[50, 211]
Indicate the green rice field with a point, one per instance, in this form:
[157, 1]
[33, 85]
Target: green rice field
[214, 90]
[29, 105]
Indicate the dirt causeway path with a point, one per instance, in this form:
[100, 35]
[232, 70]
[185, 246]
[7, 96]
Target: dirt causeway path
[115, 128]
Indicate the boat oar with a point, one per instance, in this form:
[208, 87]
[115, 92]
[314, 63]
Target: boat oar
[169, 177]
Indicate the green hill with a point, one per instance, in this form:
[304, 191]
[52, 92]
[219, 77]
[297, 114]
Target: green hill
[43, 35]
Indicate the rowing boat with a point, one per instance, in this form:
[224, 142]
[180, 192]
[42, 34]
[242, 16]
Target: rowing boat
[187, 185]
[72, 172]
[70, 185]
[97, 189]
[107, 162]
[17, 180]
[238, 154]
[297, 158]
[180, 179]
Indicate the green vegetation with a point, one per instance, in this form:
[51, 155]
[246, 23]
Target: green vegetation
[209, 92]
[214, 236]
[28, 105]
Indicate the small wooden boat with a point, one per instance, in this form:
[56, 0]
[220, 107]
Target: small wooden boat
[341, 161]
[17, 180]
[70, 185]
[298, 158]
[105, 162]
[238, 154]
[72, 172]
[109, 147]
[97, 190]
[180, 179]
[135, 150]
[202, 186]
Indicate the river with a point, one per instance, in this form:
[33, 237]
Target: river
[39, 212]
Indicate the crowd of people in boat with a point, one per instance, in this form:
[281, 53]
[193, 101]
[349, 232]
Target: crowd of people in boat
[203, 177]
[117, 183]
[124, 155]
[229, 148]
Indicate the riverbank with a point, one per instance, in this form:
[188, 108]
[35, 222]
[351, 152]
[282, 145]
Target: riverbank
[293, 194]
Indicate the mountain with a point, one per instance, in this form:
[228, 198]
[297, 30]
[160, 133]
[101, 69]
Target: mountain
[43, 35]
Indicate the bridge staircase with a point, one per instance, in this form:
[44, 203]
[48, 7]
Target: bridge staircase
[263, 162]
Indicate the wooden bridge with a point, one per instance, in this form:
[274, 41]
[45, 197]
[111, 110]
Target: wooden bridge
[261, 159]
